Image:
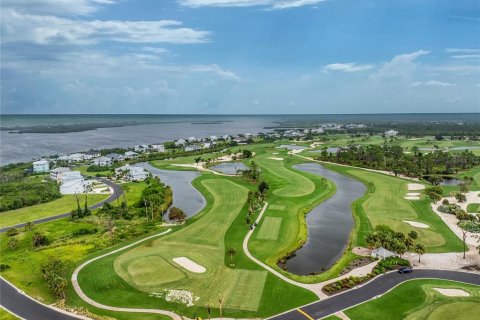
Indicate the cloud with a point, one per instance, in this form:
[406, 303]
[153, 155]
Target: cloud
[401, 66]
[37, 29]
[466, 56]
[346, 67]
[462, 50]
[271, 4]
[432, 83]
[56, 7]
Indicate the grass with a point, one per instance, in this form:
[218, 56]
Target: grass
[65, 204]
[270, 228]
[133, 191]
[473, 207]
[416, 299]
[5, 315]
[386, 205]
[246, 289]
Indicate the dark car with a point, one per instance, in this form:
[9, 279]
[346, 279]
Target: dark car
[405, 270]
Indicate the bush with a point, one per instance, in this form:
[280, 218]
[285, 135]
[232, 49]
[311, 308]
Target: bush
[470, 226]
[39, 240]
[84, 231]
[13, 244]
[54, 272]
[12, 232]
[176, 214]
[4, 267]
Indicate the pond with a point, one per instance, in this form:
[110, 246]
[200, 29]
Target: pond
[229, 167]
[448, 181]
[465, 148]
[329, 150]
[185, 196]
[292, 147]
[329, 224]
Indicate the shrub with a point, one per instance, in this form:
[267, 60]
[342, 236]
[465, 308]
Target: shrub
[13, 244]
[12, 232]
[54, 272]
[84, 231]
[4, 267]
[39, 240]
[470, 226]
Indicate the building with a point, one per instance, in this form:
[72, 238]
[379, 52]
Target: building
[56, 173]
[41, 166]
[158, 147]
[71, 182]
[131, 155]
[115, 157]
[180, 142]
[213, 138]
[131, 173]
[193, 147]
[141, 148]
[102, 161]
[192, 139]
[381, 253]
[391, 133]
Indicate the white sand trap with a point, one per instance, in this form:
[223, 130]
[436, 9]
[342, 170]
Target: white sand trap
[412, 197]
[453, 292]
[189, 265]
[275, 158]
[415, 186]
[413, 194]
[417, 224]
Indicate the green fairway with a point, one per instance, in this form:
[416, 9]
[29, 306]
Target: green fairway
[417, 299]
[5, 315]
[386, 205]
[270, 228]
[65, 204]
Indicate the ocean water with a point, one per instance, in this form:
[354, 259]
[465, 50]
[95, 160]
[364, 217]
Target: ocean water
[108, 131]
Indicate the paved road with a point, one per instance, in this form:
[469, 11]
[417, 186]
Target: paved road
[376, 287]
[27, 308]
[117, 192]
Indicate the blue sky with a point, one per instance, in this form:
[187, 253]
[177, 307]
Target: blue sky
[240, 56]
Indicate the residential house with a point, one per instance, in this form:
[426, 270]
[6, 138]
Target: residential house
[72, 182]
[193, 147]
[213, 138]
[115, 157]
[391, 133]
[158, 147]
[56, 173]
[102, 161]
[131, 155]
[41, 166]
[131, 173]
[141, 148]
[192, 139]
[180, 142]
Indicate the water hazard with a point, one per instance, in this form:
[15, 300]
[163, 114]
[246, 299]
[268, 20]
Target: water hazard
[329, 224]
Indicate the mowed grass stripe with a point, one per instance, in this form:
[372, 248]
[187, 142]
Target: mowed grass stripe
[202, 242]
[270, 228]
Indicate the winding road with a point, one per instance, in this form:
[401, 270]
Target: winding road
[117, 192]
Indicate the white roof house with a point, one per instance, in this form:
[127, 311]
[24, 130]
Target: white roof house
[158, 147]
[131, 154]
[69, 176]
[192, 139]
[391, 133]
[73, 186]
[180, 142]
[382, 253]
[115, 156]
[193, 147]
[102, 161]
[57, 172]
[132, 173]
[41, 166]
[213, 138]
[141, 148]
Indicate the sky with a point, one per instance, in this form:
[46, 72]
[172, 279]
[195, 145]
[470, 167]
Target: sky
[240, 56]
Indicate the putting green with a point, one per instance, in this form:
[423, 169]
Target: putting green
[202, 242]
[270, 228]
[284, 181]
[276, 207]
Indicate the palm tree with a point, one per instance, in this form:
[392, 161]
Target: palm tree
[420, 249]
[231, 253]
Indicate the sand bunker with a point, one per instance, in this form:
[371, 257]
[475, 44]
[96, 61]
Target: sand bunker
[189, 265]
[417, 224]
[453, 292]
[275, 158]
[415, 186]
[412, 196]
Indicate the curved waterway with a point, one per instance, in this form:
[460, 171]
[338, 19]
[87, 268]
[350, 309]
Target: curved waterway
[185, 196]
[229, 167]
[329, 224]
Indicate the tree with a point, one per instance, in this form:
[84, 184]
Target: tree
[399, 247]
[460, 197]
[464, 238]
[231, 253]
[13, 244]
[463, 187]
[176, 214]
[198, 160]
[12, 232]
[413, 234]
[29, 226]
[409, 242]
[54, 272]
[420, 250]
[263, 187]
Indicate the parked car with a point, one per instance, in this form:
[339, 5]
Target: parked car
[405, 270]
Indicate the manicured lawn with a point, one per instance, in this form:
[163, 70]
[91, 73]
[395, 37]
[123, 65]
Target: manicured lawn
[473, 207]
[386, 205]
[270, 228]
[65, 204]
[5, 315]
[133, 191]
[246, 289]
[417, 299]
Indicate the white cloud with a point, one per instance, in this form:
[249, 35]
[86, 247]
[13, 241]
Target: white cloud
[466, 56]
[56, 7]
[155, 50]
[401, 66]
[271, 4]
[432, 83]
[346, 67]
[462, 50]
[43, 30]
